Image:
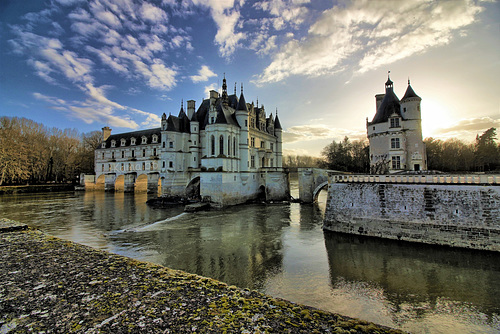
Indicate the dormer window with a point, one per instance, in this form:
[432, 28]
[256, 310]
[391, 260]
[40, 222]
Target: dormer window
[132, 141]
[144, 140]
[113, 143]
[395, 122]
[123, 141]
[103, 145]
[155, 138]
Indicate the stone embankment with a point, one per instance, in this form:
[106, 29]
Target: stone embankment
[55, 286]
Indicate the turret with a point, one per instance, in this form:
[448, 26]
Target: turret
[278, 132]
[410, 104]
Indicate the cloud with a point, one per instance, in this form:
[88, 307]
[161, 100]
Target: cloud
[204, 74]
[284, 11]
[226, 16]
[152, 13]
[210, 87]
[370, 34]
[468, 128]
[88, 111]
[315, 132]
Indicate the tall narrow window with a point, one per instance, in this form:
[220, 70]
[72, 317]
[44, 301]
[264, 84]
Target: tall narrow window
[143, 153]
[221, 144]
[396, 162]
[212, 145]
[234, 146]
[228, 145]
[252, 161]
[395, 143]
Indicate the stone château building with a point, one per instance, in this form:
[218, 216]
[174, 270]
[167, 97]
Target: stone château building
[395, 133]
[227, 151]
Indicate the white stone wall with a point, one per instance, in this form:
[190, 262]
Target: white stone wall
[454, 215]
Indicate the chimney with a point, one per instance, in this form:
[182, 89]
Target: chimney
[190, 109]
[106, 132]
[379, 98]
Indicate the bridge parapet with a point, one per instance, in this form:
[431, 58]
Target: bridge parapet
[491, 179]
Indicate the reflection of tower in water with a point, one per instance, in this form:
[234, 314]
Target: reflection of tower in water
[413, 276]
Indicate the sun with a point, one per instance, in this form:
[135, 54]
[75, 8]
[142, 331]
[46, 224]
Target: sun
[435, 116]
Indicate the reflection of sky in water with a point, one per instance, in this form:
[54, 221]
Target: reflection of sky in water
[281, 250]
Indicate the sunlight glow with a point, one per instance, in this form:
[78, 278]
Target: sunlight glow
[435, 116]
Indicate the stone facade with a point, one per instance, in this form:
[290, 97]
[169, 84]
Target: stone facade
[227, 149]
[395, 133]
[445, 214]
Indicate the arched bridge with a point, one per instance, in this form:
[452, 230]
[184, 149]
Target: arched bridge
[311, 182]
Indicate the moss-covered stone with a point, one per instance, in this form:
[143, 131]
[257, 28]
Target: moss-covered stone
[51, 285]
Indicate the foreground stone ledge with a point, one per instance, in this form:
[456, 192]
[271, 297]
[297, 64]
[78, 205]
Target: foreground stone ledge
[56, 286]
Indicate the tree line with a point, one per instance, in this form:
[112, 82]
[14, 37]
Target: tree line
[451, 155]
[33, 153]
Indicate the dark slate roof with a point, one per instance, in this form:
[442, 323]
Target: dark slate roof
[390, 104]
[135, 134]
[242, 105]
[202, 113]
[233, 101]
[277, 124]
[178, 124]
[225, 115]
[409, 93]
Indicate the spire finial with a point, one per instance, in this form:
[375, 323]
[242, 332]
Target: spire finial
[242, 88]
[276, 111]
[235, 88]
[182, 103]
[257, 101]
[408, 81]
[389, 75]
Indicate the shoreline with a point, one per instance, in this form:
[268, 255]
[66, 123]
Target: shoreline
[36, 188]
[53, 285]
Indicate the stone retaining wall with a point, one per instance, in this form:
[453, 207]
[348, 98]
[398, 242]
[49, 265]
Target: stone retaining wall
[444, 214]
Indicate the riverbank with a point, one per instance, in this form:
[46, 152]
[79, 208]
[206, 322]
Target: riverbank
[52, 285]
[38, 188]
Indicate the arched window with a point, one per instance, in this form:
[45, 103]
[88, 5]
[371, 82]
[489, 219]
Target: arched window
[221, 144]
[212, 145]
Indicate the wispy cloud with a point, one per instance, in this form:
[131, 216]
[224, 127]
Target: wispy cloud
[89, 111]
[370, 34]
[315, 132]
[468, 128]
[204, 74]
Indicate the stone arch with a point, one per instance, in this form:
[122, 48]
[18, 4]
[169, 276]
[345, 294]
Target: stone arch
[318, 189]
[99, 183]
[160, 183]
[120, 183]
[193, 188]
[262, 193]
[141, 183]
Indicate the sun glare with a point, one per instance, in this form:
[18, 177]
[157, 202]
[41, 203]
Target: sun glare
[434, 117]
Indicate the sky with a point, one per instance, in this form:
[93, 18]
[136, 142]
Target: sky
[86, 64]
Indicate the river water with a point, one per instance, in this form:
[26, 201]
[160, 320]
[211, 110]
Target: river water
[282, 251]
